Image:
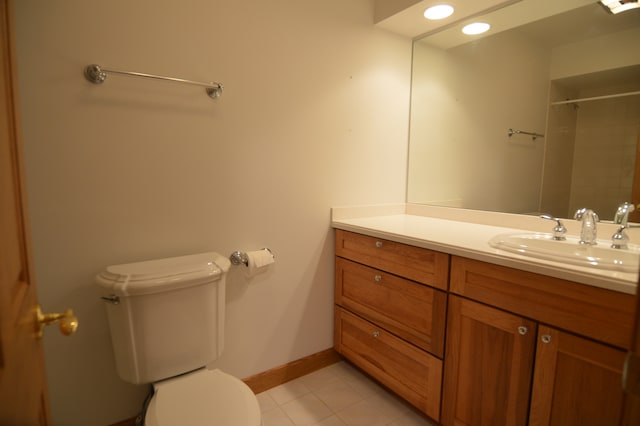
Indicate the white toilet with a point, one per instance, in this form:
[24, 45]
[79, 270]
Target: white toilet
[167, 324]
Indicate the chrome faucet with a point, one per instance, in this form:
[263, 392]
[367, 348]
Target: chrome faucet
[620, 239]
[589, 231]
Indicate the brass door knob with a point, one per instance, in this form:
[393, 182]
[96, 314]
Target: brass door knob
[67, 321]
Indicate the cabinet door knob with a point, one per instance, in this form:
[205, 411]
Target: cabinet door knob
[523, 330]
[377, 278]
[546, 338]
[378, 244]
[375, 334]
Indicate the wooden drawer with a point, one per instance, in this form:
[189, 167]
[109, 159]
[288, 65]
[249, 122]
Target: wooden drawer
[412, 311]
[589, 311]
[418, 264]
[412, 373]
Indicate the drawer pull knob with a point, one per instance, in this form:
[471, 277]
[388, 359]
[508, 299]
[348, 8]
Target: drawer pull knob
[546, 338]
[378, 244]
[378, 278]
[523, 330]
[375, 334]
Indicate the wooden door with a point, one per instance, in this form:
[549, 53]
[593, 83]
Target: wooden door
[488, 365]
[634, 216]
[576, 381]
[23, 394]
[632, 392]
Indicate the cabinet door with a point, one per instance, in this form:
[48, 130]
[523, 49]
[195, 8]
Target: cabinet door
[488, 365]
[576, 381]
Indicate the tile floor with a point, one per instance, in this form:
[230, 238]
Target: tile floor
[337, 395]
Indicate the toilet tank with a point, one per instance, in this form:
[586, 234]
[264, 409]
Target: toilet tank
[166, 316]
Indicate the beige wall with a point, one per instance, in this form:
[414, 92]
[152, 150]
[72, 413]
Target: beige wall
[314, 114]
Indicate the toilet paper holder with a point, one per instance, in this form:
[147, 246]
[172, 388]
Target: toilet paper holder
[241, 258]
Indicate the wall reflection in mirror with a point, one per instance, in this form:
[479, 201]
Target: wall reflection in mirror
[572, 78]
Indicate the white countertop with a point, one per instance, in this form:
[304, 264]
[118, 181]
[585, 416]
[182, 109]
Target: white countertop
[418, 227]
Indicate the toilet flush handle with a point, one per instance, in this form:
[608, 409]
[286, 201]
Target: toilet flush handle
[112, 298]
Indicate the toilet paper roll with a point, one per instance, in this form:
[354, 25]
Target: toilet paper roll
[259, 261]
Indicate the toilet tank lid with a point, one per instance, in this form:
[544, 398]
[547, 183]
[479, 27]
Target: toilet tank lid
[155, 276]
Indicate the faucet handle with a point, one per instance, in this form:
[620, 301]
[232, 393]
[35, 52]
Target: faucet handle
[559, 230]
[620, 239]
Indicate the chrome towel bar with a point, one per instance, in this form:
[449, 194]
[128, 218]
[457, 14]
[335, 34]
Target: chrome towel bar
[97, 75]
[534, 136]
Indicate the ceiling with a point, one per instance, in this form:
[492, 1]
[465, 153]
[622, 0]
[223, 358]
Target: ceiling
[580, 24]
[406, 18]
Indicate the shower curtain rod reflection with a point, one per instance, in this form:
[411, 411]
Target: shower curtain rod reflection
[596, 98]
[97, 75]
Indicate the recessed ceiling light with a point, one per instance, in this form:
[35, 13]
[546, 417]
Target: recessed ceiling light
[439, 11]
[476, 28]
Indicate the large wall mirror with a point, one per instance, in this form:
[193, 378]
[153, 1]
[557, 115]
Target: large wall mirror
[542, 117]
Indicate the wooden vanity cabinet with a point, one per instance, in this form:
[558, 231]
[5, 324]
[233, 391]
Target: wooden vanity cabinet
[520, 361]
[521, 348]
[390, 314]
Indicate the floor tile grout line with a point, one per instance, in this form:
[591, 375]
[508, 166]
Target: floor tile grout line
[332, 412]
[344, 374]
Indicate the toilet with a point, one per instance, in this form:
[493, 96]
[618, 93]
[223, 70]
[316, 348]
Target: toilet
[166, 319]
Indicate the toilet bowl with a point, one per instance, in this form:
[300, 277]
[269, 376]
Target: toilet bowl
[166, 319]
[204, 397]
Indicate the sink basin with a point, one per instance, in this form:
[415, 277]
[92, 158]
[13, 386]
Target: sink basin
[543, 246]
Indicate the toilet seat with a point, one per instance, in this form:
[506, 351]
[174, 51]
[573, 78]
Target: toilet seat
[204, 397]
